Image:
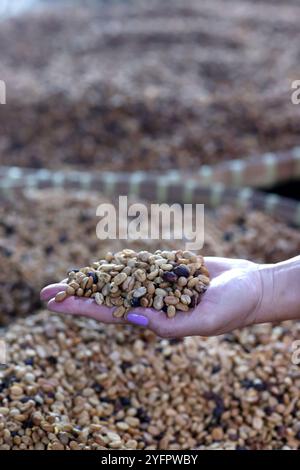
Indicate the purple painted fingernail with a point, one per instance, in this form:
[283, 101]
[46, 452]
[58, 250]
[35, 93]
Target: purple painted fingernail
[137, 319]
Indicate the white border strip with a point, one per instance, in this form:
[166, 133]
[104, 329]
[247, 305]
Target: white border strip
[271, 201]
[110, 181]
[217, 191]
[244, 197]
[189, 191]
[135, 181]
[297, 215]
[270, 163]
[296, 158]
[206, 175]
[237, 168]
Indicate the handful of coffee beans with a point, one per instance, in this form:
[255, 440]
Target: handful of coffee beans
[165, 280]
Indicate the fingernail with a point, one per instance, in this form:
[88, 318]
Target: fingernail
[137, 319]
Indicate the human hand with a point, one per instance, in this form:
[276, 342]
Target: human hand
[232, 300]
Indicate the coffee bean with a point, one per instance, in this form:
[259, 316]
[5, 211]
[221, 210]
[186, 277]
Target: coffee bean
[181, 271]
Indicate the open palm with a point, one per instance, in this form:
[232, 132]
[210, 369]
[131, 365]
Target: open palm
[231, 301]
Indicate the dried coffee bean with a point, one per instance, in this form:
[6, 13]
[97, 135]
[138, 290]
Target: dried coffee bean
[182, 271]
[166, 266]
[117, 301]
[171, 311]
[140, 275]
[204, 271]
[171, 300]
[79, 292]
[114, 288]
[84, 282]
[185, 299]
[151, 276]
[182, 281]
[94, 276]
[204, 279]
[144, 302]
[60, 296]
[70, 290]
[187, 291]
[158, 302]
[135, 302]
[140, 292]
[119, 312]
[182, 307]
[169, 276]
[150, 288]
[161, 292]
[99, 298]
[194, 281]
[74, 285]
[103, 277]
[106, 289]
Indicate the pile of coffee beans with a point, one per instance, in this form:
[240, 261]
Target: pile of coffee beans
[165, 280]
[165, 102]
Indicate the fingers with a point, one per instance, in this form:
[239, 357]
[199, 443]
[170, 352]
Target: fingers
[217, 265]
[86, 307]
[147, 317]
[183, 324]
[50, 291]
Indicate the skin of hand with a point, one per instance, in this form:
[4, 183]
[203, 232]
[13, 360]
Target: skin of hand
[235, 298]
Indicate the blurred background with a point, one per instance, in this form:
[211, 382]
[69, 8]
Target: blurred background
[127, 86]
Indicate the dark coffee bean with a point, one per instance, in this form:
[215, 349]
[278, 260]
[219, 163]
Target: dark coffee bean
[25, 399]
[6, 251]
[169, 276]
[52, 360]
[27, 424]
[175, 340]
[193, 302]
[260, 386]
[125, 365]
[29, 361]
[268, 410]
[227, 236]
[135, 302]
[94, 276]
[49, 249]
[125, 401]
[182, 270]
[63, 238]
[142, 415]
[218, 411]
[98, 388]
[247, 383]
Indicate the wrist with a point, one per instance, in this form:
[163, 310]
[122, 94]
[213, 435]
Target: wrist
[280, 292]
